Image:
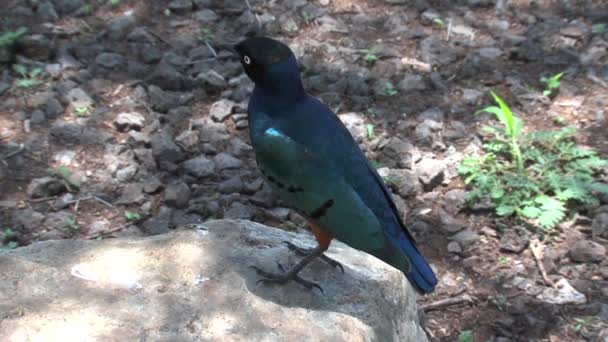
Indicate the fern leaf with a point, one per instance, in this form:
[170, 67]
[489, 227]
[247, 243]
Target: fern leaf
[531, 212]
[552, 212]
[505, 210]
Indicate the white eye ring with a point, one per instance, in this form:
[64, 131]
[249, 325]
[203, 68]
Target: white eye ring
[247, 60]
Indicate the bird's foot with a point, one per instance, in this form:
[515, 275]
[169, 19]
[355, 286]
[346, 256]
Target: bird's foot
[306, 251]
[284, 277]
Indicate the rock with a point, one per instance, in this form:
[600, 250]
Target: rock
[37, 117]
[586, 251]
[199, 167]
[221, 110]
[225, 161]
[430, 172]
[62, 221]
[78, 98]
[109, 60]
[436, 51]
[402, 181]
[212, 80]
[119, 27]
[412, 82]
[355, 124]
[67, 132]
[67, 6]
[180, 6]
[455, 200]
[399, 153]
[167, 77]
[471, 96]
[425, 131]
[4, 87]
[161, 100]
[132, 194]
[158, 287]
[562, 293]
[177, 195]
[129, 120]
[600, 225]
[238, 147]
[36, 46]
[454, 247]
[164, 149]
[126, 173]
[46, 12]
[514, 241]
[159, 224]
[465, 238]
[188, 140]
[238, 211]
[45, 187]
[53, 108]
[232, 185]
[27, 220]
[490, 53]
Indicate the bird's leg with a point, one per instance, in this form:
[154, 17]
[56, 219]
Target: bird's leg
[292, 274]
[305, 251]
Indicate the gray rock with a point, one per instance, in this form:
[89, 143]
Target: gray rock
[514, 241]
[177, 195]
[36, 46]
[449, 223]
[221, 110]
[188, 140]
[67, 132]
[127, 173]
[238, 211]
[436, 51]
[4, 87]
[27, 220]
[238, 147]
[225, 161]
[37, 117]
[232, 185]
[187, 270]
[586, 251]
[164, 149]
[199, 167]
[399, 153]
[119, 27]
[206, 16]
[355, 124]
[79, 98]
[465, 238]
[431, 172]
[161, 100]
[152, 185]
[403, 182]
[600, 225]
[490, 53]
[129, 120]
[432, 113]
[67, 6]
[46, 12]
[159, 224]
[53, 108]
[471, 96]
[425, 131]
[166, 77]
[132, 194]
[413, 82]
[109, 60]
[45, 187]
[212, 80]
[454, 247]
[180, 6]
[62, 221]
[138, 138]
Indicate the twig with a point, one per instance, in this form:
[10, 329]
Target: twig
[43, 199]
[535, 247]
[449, 29]
[211, 48]
[14, 153]
[465, 298]
[113, 230]
[104, 202]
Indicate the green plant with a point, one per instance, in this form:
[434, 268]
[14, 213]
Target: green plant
[9, 37]
[114, 3]
[390, 89]
[72, 225]
[205, 34]
[439, 22]
[583, 322]
[537, 184]
[552, 84]
[370, 131]
[83, 111]
[65, 173]
[465, 336]
[132, 216]
[28, 78]
[370, 55]
[7, 239]
[598, 28]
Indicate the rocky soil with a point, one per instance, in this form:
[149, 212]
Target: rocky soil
[138, 126]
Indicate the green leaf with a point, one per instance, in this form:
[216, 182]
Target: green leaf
[465, 336]
[497, 193]
[370, 131]
[132, 216]
[505, 210]
[35, 72]
[530, 212]
[20, 69]
[553, 211]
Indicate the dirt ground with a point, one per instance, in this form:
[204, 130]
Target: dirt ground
[132, 92]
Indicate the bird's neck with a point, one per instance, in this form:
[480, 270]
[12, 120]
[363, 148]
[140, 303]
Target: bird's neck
[281, 87]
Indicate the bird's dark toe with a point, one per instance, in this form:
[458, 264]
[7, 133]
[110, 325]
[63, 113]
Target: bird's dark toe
[298, 250]
[332, 262]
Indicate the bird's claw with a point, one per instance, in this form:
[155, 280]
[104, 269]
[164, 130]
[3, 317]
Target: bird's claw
[283, 278]
[305, 251]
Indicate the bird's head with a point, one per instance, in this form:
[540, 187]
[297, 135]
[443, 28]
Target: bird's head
[269, 63]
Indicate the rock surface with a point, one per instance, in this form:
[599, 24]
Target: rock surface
[192, 285]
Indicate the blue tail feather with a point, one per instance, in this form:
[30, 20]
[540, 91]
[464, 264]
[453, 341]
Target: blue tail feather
[420, 274]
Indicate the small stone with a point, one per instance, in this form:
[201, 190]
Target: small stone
[514, 241]
[37, 117]
[206, 16]
[159, 224]
[180, 6]
[132, 194]
[232, 185]
[199, 167]
[490, 53]
[188, 140]
[152, 185]
[600, 225]
[585, 251]
[177, 195]
[78, 98]
[413, 82]
[562, 293]
[109, 60]
[431, 172]
[225, 161]
[129, 120]
[164, 149]
[27, 220]
[46, 12]
[126, 174]
[53, 108]
[36, 46]
[119, 27]
[167, 77]
[471, 96]
[221, 110]
[45, 187]
[466, 237]
[212, 80]
[61, 221]
[454, 247]
[455, 200]
[238, 211]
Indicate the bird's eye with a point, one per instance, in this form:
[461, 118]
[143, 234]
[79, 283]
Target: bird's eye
[247, 60]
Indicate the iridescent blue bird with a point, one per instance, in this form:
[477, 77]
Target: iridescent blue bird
[311, 160]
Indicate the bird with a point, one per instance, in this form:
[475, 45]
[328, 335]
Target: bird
[310, 159]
